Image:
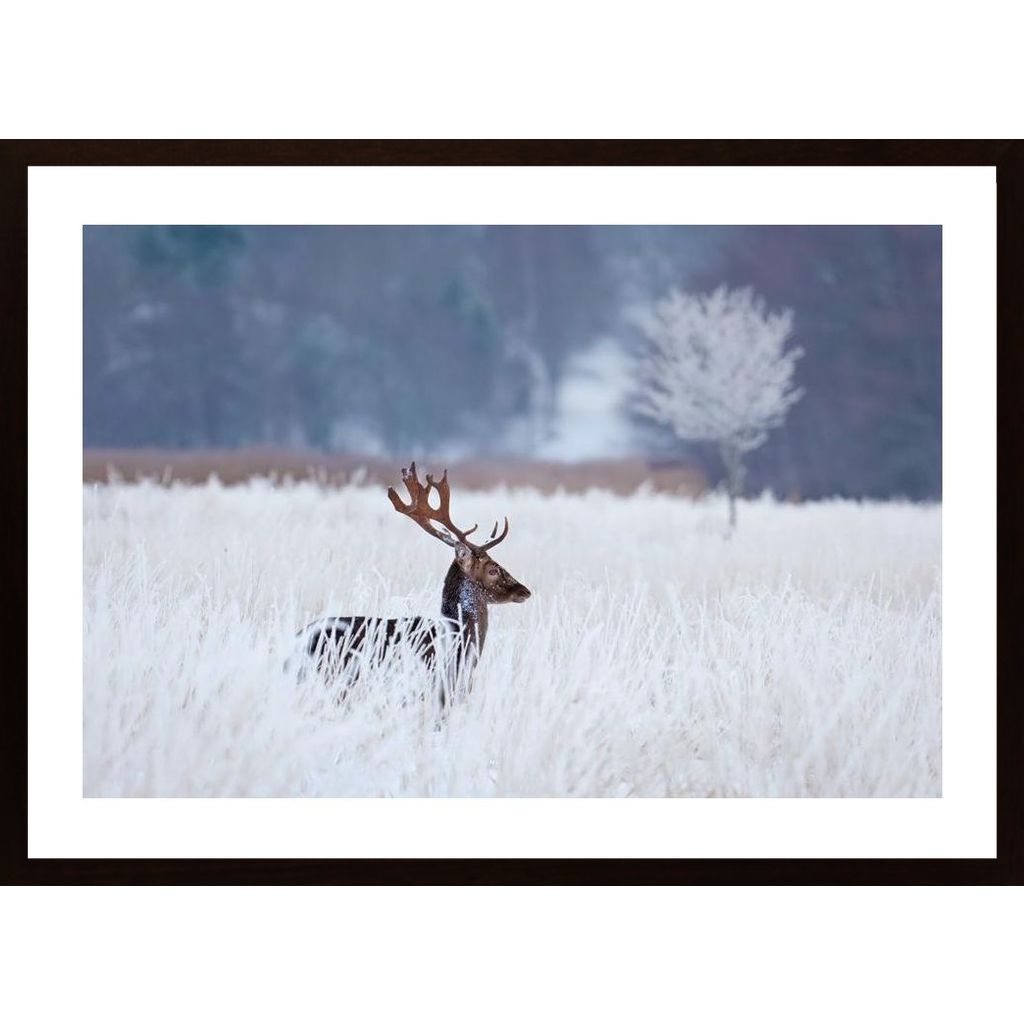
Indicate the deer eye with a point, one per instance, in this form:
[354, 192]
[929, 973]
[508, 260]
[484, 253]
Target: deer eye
[492, 571]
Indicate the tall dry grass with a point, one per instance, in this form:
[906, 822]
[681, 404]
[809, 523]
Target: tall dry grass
[240, 465]
[657, 657]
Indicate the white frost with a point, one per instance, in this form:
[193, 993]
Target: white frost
[656, 658]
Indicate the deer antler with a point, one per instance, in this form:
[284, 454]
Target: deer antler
[422, 512]
[494, 539]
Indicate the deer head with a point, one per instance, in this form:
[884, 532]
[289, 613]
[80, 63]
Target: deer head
[497, 584]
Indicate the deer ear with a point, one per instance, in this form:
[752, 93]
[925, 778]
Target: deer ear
[462, 554]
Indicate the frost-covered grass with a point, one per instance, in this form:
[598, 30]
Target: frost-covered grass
[801, 657]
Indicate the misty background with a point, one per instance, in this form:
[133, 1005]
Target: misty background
[511, 342]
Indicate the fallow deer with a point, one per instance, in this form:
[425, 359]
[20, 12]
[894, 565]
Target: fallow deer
[473, 582]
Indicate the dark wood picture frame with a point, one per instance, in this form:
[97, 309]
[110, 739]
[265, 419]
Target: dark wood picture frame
[16, 157]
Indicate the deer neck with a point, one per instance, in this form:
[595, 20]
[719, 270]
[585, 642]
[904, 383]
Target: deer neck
[464, 602]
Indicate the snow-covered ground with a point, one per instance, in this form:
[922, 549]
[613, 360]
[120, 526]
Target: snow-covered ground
[657, 657]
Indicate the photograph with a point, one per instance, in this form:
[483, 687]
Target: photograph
[594, 558]
[512, 510]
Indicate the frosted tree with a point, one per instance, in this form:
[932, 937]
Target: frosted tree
[715, 369]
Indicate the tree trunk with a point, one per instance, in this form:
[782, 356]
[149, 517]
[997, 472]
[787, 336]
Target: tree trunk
[732, 459]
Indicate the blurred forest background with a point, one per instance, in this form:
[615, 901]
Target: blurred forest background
[503, 344]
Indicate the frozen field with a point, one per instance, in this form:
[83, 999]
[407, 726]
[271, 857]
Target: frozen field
[656, 658]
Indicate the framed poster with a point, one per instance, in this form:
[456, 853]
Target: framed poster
[732, 405]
